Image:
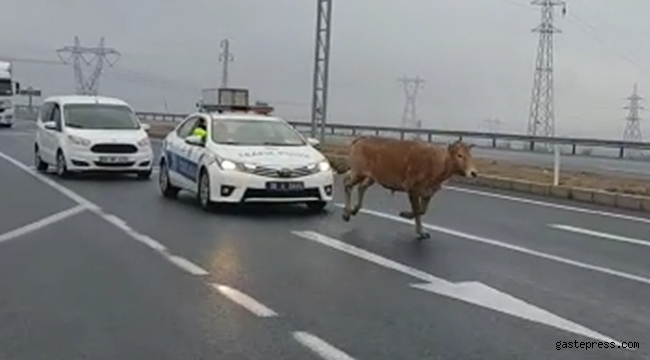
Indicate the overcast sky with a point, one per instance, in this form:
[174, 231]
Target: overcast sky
[476, 56]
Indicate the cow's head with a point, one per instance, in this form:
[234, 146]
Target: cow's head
[461, 159]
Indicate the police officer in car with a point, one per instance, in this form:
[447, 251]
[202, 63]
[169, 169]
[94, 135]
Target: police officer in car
[200, 130]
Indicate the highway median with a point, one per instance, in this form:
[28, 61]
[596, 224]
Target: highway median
[608, 190]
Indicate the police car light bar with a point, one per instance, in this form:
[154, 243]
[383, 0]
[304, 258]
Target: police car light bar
[233, 97]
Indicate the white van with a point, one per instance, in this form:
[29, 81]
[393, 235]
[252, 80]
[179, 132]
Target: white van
[91, 133]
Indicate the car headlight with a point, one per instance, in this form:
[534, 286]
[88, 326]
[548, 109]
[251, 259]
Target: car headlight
[144, 142]
[78, 140]
[228, 165]
[324, 165]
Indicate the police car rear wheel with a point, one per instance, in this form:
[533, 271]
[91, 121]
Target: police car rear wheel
[204, 191]
[166, 188]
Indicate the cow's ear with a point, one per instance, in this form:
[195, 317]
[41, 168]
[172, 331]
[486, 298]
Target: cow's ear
[471, 146]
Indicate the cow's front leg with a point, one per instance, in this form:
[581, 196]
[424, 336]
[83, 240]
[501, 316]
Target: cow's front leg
[361, 192]
[349, 181]
[415, 211]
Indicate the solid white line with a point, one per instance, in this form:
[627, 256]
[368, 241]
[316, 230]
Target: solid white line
[320, 347]
[42, 223]
[600, 234]
[245, 301]
[471, 291]
[121, 224]
[153, 169]
[550, 205]
[520, 249]
[53, 184]
[186, 265]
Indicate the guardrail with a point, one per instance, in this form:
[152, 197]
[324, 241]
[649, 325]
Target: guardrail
[494, 138]
[347, 130]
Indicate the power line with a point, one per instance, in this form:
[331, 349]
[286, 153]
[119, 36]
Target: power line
[633, 124]
[542, 117]
[97, 56]
[149, 80]
[226, 57]
[493, 125]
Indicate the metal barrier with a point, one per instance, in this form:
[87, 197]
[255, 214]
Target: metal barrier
[533, 143]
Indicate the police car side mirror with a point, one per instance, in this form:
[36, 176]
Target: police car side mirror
[313, 142]
[194, 140]
[146, 127]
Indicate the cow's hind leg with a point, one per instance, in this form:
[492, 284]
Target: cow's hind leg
[416, 212]
[361, 192]
[423, 206]
[349, 181]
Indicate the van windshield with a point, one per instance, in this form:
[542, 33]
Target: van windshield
[253, 132]
[100, 116]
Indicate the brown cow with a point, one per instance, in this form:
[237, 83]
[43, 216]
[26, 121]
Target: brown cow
[411, 166]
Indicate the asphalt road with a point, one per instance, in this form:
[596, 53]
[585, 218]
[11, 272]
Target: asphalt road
[105, 268]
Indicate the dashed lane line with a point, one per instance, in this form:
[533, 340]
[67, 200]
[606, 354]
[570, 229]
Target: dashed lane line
[550, 204]
[599, 234]
[186, 265]
[245, 301]
[320, 347]
[84, 203]
[512, 247]
[36, 225]
[315, 344]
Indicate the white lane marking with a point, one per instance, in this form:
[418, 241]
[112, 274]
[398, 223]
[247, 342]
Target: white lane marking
[245, 301]
[320, 347]
[520, 249]
[155, 245]
[121, 224]
[153, 168]
[551, 205]
[41, 223]
[16, 133]
[472, 292]
[53, 184]
[600, 234]
[186, 265]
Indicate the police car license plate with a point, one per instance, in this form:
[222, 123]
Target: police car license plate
[284, 185]
[114, 159]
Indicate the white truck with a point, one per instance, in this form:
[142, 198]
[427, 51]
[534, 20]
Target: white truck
[7, 93]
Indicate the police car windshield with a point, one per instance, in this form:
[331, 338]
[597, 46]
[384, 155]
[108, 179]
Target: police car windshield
[254, 132]
[100, 116]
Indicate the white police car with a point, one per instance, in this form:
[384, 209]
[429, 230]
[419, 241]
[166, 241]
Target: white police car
[245, 158]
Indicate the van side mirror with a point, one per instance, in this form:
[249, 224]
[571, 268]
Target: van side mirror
[49, 125]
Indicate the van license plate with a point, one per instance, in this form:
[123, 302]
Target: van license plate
[284, 185]
[113, 159]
